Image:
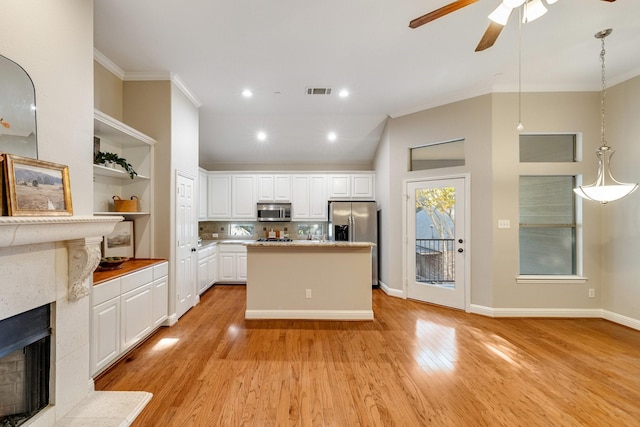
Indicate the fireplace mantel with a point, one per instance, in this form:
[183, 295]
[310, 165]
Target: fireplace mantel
[17, 231]
[81, 234]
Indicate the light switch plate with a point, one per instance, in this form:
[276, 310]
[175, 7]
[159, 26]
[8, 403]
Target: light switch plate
[504, 223]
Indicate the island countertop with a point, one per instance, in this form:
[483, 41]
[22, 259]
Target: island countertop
[310, 243]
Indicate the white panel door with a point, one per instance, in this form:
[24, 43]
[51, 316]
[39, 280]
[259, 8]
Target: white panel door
[105, 333]
[186, 241]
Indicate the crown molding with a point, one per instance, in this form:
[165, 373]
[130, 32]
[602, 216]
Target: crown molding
[101, 59]
[162, 75]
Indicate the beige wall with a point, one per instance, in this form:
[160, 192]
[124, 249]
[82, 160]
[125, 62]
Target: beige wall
[621, 219]
[53, 42]
[542, 112]
[147, 108]
[471, 120]
[488, 125]
[107, 91]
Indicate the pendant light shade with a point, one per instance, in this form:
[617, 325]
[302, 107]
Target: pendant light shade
[606, 188]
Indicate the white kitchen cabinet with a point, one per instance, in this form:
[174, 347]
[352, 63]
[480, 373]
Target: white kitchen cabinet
[232, 259]
[309, 201]
[207, 267]
[138, 149]
[243, 199]
[274, 188]
[202, 194]
[105, 333]
[126, 310]
[352, 186]
[219, 196]
[160, 290]
[135, 316]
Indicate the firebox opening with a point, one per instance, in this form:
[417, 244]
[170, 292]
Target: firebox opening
[25, 360]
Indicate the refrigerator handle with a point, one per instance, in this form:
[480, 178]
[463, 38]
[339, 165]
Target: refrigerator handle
[352, 229]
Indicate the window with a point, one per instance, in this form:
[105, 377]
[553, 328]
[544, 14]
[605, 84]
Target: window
[306, 229]
[438, 155]
[547, 225]
[548, 148]
[241, 230]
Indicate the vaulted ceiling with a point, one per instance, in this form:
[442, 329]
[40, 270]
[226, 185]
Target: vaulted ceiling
[280, 48]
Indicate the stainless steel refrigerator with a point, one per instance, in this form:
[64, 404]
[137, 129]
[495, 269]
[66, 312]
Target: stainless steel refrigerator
[356, 222]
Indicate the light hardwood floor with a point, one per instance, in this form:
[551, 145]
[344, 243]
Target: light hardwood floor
[414, 365]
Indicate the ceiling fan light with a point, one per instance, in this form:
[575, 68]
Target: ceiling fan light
[501, 14]
[533, 10]
[551, 1]
[513, 3]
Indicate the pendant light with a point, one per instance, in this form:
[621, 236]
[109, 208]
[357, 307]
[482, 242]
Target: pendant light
[606, 188]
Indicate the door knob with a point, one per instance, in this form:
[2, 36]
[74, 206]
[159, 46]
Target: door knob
[460, 240]
[460, 250]
[193, 249]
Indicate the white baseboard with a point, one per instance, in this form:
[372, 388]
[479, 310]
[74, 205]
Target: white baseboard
[620, 319]
[390, 291]
[310, 314]
[171, 320]
[535, 312]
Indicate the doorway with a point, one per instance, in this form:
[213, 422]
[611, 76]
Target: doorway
[437, 241]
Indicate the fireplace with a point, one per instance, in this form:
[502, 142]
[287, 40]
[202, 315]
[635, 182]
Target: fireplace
[25, 360]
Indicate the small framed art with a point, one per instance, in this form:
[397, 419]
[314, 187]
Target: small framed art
[36, 187]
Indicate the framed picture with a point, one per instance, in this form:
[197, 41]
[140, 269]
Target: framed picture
[120, 242]
[35, 187]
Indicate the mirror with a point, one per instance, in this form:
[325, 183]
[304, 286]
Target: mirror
[17, 110]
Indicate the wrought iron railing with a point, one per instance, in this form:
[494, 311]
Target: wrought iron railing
[435, 260]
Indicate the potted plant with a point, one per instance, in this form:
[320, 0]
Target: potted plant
[103, 158]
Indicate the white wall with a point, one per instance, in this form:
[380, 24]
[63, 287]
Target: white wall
[53, 42]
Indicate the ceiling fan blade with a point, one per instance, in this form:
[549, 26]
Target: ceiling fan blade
[438, 13]
[490, 36]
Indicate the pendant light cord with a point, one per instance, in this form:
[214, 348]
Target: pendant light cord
[520, 126]
[603, 94]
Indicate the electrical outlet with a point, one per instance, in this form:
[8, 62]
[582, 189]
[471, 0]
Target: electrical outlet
[504, 223]
[308, 294]
[214, 235]
[592, 292]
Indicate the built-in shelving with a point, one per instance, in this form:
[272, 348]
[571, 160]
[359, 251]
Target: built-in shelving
[137, 148]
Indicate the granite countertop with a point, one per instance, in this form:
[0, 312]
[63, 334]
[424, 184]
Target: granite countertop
[312, 243]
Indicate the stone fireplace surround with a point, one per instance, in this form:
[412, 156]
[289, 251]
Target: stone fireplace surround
[50, 260]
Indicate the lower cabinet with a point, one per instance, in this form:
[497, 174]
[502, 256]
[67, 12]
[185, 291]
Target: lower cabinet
[233, 263]
[126, 310]
[207, 267]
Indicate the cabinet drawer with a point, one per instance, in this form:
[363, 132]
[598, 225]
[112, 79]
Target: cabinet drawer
[134, 280]
[160, 270]
[232, 248]
[105, 291]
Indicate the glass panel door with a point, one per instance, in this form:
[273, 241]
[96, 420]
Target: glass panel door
[436, 242]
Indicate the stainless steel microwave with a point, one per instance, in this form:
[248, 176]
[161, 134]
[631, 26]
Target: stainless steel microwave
[274, 212]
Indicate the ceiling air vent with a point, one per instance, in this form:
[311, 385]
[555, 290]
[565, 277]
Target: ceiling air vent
[318, 91]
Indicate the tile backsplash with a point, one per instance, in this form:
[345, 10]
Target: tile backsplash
[295, 230]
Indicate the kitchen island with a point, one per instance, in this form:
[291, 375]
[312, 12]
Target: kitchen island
[309, 280]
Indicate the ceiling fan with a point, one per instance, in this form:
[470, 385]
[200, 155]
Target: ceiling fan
[533, 9]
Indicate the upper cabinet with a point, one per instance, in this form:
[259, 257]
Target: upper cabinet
[202, 194]
[309, 201]
[274, 188]
[233, 195]
[112, 181]
[352, 186]
[243, 200]
[219, 196]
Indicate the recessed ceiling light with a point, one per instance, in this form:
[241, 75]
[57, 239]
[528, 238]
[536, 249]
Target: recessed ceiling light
[343, 93]
[332, 136]
[262, 136]
[247, 93]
